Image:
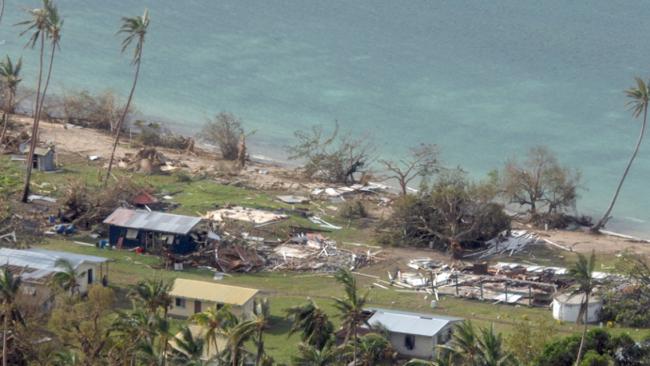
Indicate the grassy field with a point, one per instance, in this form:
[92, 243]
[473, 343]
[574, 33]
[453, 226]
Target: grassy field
[283, 289]
[288, 289]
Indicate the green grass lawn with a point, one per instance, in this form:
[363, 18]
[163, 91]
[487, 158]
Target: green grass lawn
[283, 289]
[288, 289]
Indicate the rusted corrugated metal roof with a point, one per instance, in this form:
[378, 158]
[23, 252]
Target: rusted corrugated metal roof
[144, 198]
[153, 221]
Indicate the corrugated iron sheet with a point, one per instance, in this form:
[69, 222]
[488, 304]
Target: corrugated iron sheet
[152, 221]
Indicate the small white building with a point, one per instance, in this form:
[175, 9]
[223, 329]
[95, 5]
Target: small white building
[566, 307]
[414, 334]
[36, 267]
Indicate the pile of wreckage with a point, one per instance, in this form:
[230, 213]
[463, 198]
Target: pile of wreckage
[149, 161]
[242, 246]
[341, 194]
[510, 283]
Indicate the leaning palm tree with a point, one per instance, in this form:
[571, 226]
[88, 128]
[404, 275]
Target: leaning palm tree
[309, 355]
[582, 274]
[312, 322]
[44, 23]
[10, 77]
[66, 278]
[135, 29]
[9, 287]
[350, 308]
[214, 322]
[639, 105]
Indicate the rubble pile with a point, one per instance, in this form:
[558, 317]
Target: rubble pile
[511, 283]
[149, 161]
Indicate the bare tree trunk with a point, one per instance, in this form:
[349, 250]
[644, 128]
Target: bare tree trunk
[2, 8]
[118, 128]
[260, 348]
[5, 122]
[603, 220]
[584, 331]
[4, 339]
[32, 146]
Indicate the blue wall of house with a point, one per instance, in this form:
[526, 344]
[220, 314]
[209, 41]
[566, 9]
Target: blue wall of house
[183, 243]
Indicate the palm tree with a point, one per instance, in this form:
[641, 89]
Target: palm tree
[188, 351]
[132, 328]
[309, 355]
[374, 349]
[153, 295]
[491, 348]
[237, 336]
[582, 274]
[66, 279]
[10, 76]
[214, 322]
[639, 105]
[65, 358]
[464, 343]
[135, 29]
[44, 23]
[262, 312]
[9, 287]
[313, 323]
[350, 308]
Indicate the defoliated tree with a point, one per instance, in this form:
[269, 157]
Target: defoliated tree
[421, 163]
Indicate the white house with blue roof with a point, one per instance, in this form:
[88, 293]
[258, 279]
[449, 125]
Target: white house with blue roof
[414, 335]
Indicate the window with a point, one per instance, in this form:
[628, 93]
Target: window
[409, 341]
[90, 276]
[131, 234]
[180, 302]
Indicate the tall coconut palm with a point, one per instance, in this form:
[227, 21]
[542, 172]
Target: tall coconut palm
[214, 322]
[135, 30]
[10, 77]
[312, 322]
[639, 105]
[582, 273]
[130, 329]
[41, 27]
[309, 355]
[262, 312]
[66, 279]
[463, 346]
[350, 308]
[9, 287]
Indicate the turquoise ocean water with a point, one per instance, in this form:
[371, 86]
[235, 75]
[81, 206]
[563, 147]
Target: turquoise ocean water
[484, 80]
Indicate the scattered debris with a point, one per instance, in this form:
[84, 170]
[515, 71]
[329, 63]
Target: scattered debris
[324, 224]
[36, 197]
[291, 199]
[245, 214]
[507, 243]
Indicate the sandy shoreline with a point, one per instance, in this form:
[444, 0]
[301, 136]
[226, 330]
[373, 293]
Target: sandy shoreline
[275, 175]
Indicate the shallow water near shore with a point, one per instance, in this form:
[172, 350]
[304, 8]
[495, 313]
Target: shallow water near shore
[483, 80]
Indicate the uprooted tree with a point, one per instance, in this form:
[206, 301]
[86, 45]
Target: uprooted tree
[225, 131]
[421, 163]
[541, 184]
[101, 111]
[454, 214]
[331, 158]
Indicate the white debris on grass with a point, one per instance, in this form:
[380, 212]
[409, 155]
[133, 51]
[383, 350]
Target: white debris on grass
[517, 241]
[245, 214]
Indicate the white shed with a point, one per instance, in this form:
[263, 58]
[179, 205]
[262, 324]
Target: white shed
[566, 307]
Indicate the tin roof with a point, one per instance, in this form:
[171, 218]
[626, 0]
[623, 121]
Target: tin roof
[403, 322]
[209, 291]
[152, 221]
[41, 263]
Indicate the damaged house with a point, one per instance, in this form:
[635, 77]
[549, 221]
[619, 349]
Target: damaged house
[153, 231]
[44, 159]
